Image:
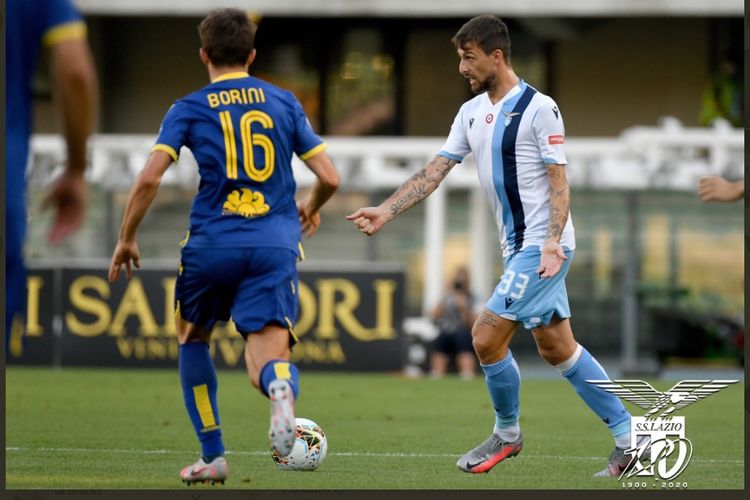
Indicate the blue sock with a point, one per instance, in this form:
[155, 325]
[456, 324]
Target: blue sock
[279, 369]
[582, 367]
[504, 385]
[198, 379]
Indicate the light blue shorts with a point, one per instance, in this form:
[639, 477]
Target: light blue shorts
[524, 297]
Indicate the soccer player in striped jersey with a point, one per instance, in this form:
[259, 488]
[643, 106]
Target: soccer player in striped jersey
[517, 137]
[56, 26]
[239, 256]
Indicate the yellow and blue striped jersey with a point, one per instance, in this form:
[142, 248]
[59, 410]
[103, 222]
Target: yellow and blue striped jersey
[242, 132]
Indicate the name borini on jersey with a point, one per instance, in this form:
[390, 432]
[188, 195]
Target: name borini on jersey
[249, 95]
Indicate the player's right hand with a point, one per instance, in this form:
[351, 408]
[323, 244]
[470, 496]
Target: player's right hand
[369, 220]
[68, 196]
[309, 221]
[125, 252]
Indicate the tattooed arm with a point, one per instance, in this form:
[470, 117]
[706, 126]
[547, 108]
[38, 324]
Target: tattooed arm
[559, 206]
[370, 220]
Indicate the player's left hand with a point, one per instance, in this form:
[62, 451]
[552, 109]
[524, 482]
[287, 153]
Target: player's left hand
[552, 259]
[309, 221]
[125, 252]
[68, 196]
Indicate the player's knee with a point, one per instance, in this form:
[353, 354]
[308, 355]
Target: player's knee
[553, 355]
[191, 333]
[484, 345]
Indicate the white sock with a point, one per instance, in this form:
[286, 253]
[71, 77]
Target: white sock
[572, 360]
[508, 433]
[623, 441]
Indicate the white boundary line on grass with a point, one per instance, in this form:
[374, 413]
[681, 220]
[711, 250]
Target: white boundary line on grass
[337, 454]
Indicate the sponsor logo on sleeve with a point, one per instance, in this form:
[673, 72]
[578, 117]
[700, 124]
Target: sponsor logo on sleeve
[556, 139]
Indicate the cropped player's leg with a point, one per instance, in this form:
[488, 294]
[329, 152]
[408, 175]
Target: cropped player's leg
[269, 369]
[438, 364]
[203, 295]
[491, 336]
[467, 363]
[556, 344]
[15, 286]
[199, 388]
[466, 359]
[441, 349]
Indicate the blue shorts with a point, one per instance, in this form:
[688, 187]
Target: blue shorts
[255, 286]
[524, 297]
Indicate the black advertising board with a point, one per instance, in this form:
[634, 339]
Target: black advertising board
[349, 320]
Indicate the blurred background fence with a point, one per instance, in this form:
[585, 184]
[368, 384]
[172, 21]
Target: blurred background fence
[657, 274]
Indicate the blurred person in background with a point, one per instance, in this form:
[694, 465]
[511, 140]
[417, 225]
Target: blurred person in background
[454, 316]
[715, 188]
[517, 137]
[58, 27]
[239, 257]
[722, 95]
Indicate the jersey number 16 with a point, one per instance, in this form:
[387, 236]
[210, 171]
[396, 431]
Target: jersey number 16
[248, 140]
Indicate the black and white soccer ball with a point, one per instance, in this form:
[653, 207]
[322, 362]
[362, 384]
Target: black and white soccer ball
[309, 450]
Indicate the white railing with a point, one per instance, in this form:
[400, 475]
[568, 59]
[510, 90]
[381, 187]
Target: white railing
[669, 156]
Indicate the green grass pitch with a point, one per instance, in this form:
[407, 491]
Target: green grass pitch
[127, 429]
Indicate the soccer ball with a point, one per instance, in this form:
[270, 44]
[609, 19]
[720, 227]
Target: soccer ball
[309, 450]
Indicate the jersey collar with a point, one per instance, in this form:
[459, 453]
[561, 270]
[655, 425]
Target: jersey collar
[230, 76]
[517, 88]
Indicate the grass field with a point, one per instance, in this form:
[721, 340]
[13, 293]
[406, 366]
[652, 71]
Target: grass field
[112, 429]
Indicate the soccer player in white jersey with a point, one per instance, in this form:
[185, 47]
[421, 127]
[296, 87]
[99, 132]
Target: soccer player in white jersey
[517, 137]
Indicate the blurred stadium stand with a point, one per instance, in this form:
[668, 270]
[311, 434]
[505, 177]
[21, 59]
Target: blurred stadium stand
[378, 78]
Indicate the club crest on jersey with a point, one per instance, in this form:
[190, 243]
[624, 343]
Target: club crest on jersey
[509, 116]
[248, 204]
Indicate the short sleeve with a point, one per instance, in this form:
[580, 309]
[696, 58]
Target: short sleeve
[306, 143]
[456, 147]
[173, 131]
[549, 132]
[62, 22]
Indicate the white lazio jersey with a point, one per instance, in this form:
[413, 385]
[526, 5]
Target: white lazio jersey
[512, 141]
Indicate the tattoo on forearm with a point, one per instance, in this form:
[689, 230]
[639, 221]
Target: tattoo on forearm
[420, 185]
[559, 201]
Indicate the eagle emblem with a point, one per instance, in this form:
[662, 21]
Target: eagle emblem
[642, 394]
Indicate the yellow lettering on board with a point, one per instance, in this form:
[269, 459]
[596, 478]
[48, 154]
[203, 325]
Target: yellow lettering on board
[134, 302]
[34, 285]
[88, 304]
